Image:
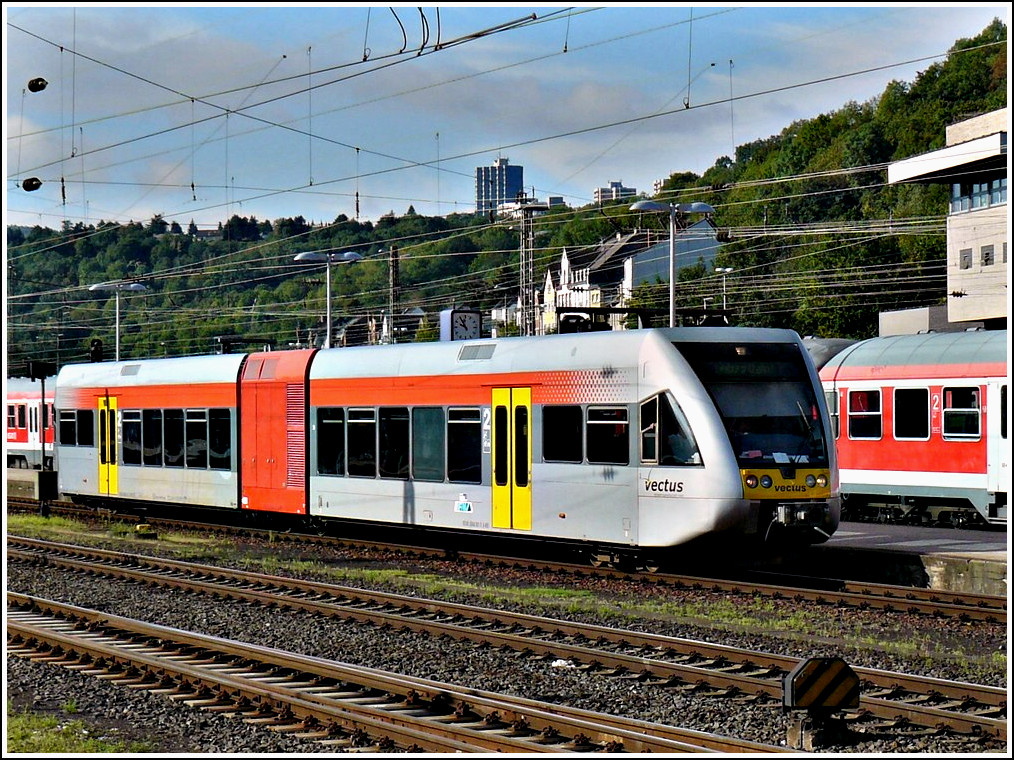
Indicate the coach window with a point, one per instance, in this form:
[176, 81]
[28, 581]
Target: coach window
[911, 414]
[67, 433]
[151, 437]
[1003, 412]
[464, 446]
[864, 415]
[131, 436]
[562, 434]
[174, 440]
[10, 416]
[85, 427]
[608, 435]
[197, 438]
[393, 442]
[831, 399]
[22, 421]
[219, 439]
[961, 412]
[363, 443]
[428, 443]
[330, 441]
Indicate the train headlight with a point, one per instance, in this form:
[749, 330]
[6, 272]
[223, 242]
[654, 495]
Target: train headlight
[765, 481]
[751, 481]
[810, 481]
[822, 480]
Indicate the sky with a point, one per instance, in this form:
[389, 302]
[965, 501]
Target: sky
[199, 112]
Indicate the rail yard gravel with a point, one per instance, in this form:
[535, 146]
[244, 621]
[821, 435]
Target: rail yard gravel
[176, 728]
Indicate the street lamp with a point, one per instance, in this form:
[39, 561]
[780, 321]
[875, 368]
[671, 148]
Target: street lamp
[117, 287]
[328, 257]
[723, 271]
[673, 209]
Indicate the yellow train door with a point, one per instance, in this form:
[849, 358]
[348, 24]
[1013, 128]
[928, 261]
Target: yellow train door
[108, 484]
[512, 458]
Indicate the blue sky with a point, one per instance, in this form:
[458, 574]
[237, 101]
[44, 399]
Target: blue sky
[271, 111]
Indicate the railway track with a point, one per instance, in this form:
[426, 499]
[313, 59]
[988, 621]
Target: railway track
[889, 697]
[822, 591]
[341, 705]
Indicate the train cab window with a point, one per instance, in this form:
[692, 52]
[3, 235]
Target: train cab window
[173, 438]
[666, 438]
[864, 415]
[464, 446]
[911, 414]
[428, 435]
[330, 441]
[393, 442]
[130, 436]
[608, 435]
[562, 434]
[362, 443]
[961, 412]
[151, 437]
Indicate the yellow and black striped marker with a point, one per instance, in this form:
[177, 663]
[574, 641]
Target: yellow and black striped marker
[821, 683]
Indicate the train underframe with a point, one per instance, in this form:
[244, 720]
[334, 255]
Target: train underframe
[925, 511]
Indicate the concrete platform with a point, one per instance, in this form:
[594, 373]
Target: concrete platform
[970, 561]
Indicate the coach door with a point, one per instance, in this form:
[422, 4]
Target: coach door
[107, 446]
[512, 458]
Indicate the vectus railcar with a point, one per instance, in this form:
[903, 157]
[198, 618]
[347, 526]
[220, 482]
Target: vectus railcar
[620, 443]
[921, 426]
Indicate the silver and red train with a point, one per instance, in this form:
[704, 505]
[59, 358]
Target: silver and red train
[921, 425]
[30, 423]
[622, 443]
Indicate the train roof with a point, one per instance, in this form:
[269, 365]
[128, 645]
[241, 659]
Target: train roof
[972, 353]
[185, 370]
[546, 352]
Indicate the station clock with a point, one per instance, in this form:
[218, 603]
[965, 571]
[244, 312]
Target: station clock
[460, 324]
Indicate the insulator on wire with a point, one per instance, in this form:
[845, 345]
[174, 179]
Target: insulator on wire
[32, 183]
[37, 85]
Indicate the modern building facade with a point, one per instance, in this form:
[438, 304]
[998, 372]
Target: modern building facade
[974, 165]
[497, 184]
[614, 192]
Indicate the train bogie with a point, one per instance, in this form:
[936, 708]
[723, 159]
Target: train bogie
[632, 440]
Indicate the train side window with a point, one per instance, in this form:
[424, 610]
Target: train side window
[1003, 411]
[11, 417]
[219, 439]
[67, 432]
[173, 441]
[561, 434]
[961, 412]
[197, 438]
[22, 421]
[151, 437]
[393, 442]
[608, 435]
[131, 436]
[911, 414]
[464, 446]
[85, 427]
[362, 444]
[831, 399]
[428, 443]
[330, 441]
[864, 415]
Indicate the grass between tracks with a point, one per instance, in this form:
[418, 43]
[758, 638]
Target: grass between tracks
[33, 733]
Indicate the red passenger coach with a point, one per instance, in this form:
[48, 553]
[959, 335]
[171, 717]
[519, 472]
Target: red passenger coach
[27, 418]
[273, 431]
[921, 426]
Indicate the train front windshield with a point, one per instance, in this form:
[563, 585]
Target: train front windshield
[766, 399]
